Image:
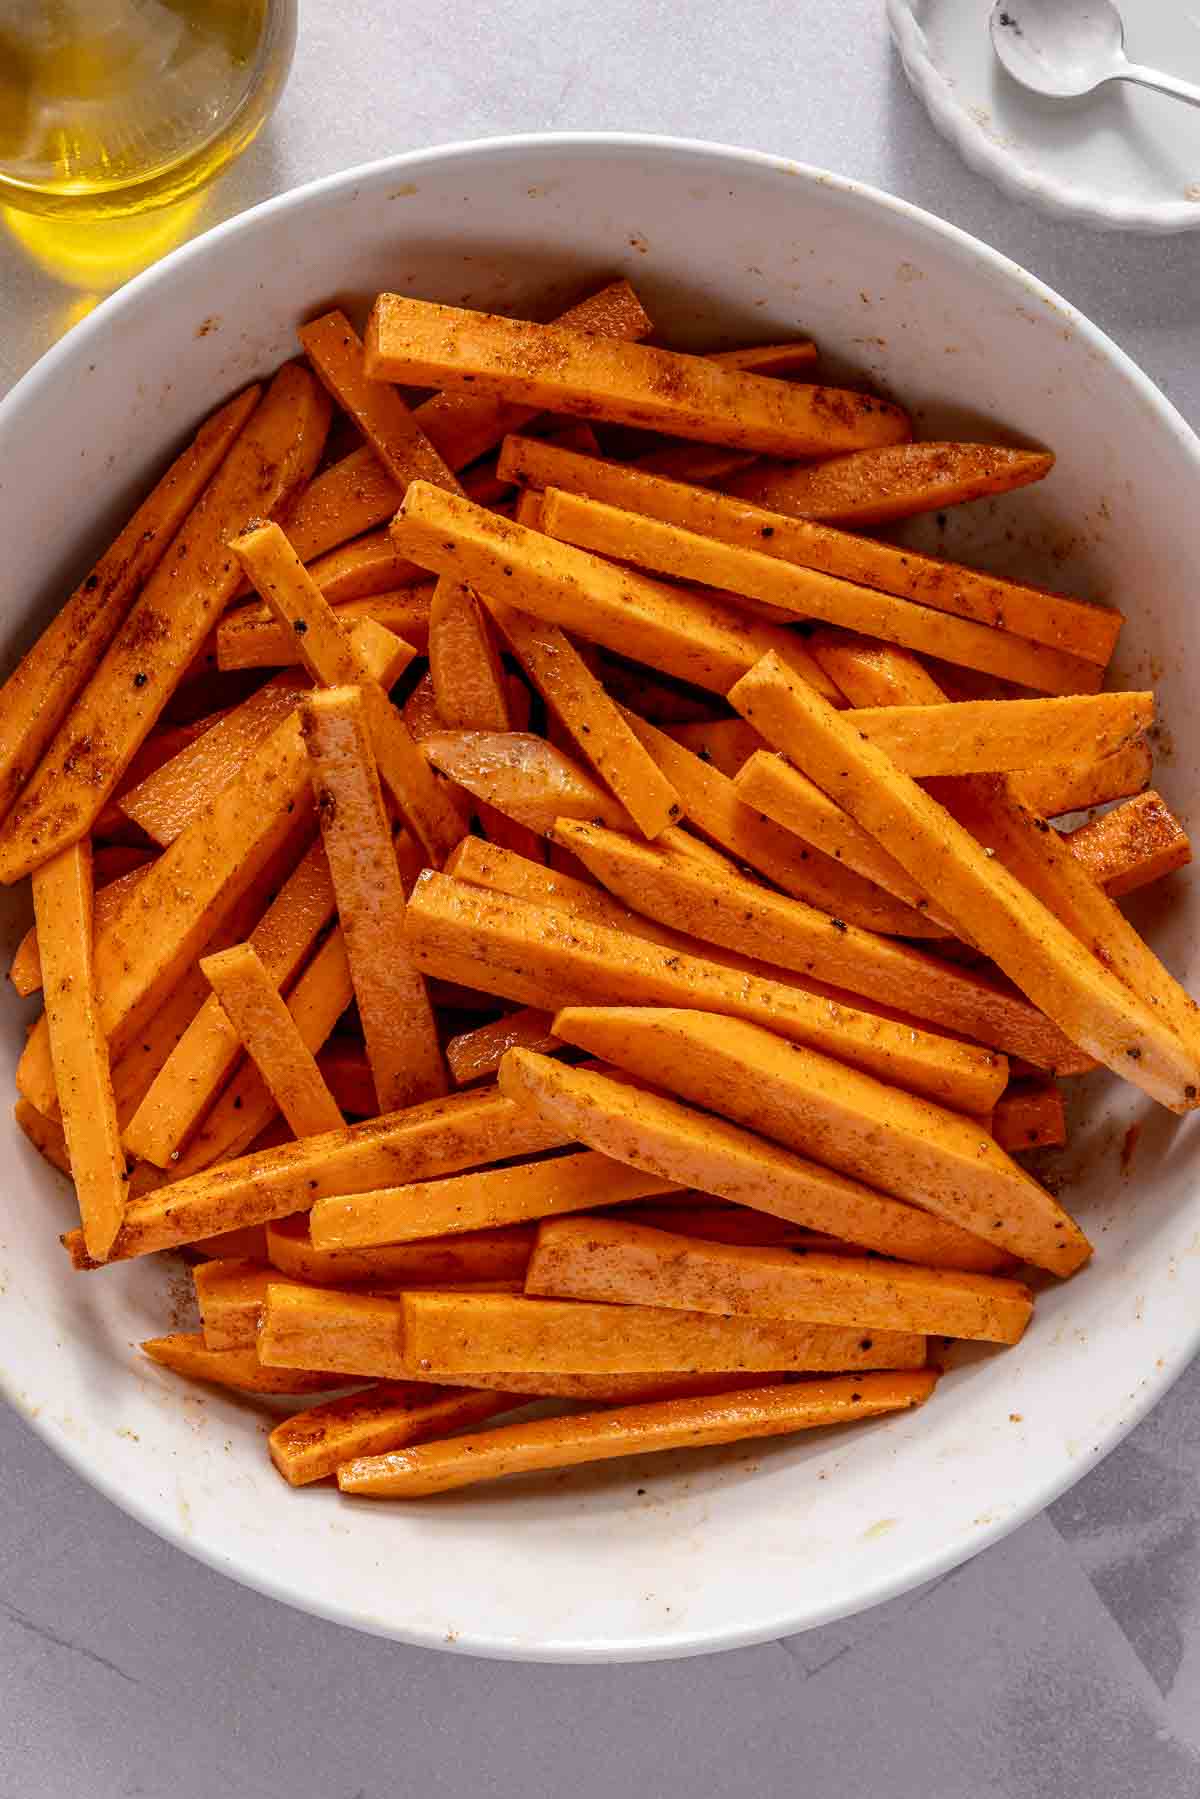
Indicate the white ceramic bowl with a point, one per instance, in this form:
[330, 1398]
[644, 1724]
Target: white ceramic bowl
[698, 1552]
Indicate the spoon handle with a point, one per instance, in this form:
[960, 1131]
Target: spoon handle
[1163, 83]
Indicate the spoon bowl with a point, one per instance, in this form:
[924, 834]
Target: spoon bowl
[1065, 49]
[1059, 48]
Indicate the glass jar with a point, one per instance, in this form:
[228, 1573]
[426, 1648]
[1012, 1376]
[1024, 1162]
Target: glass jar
[111, 107]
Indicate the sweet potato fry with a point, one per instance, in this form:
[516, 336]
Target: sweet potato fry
[357, 1333]
[626, 1264]
[477, 1256]
[671, 1424]
[594, 721]
[230, 1293]
[1131, 846]
[441, 1137]
[779, 792]
[192, 1074]
[695, 638]
[669, 550]
[351, 1333]
[144, 662]
[358, 493]
[185, 1352]
[46, 1136]
[62, 899]
[871, 673]
[502, 871]
[166, 801]
[272, 1039]
[163, 745]
[792, 358]
[528, 949]
[134, 1073]
[823, 879]
[245, 641]
[484, 1200]
[522, 777]
[1029, 1115]
[361, 569]
[740, 915]
[661, 1136]
[1048, 618]
[875, 487]
[468, 678]
[475, 1055]
[986, 736]
[335, 350]
[495, 1334]
[880, 674]
[465, 424]
[1055, 788]
[1045, 867]
[846, 1120]
[25, 970]
[387, 1417]
[351, 496]
[247, 1106]
[330, 656]
[38, 694]
[629, 384]
[393, 1004]
[1004, 920]
[347, 1073]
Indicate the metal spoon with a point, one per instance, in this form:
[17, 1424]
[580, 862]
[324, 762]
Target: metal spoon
[1066, 48]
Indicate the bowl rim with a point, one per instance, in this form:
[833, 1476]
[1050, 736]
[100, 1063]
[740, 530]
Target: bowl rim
[981, 152]
[919, 1568]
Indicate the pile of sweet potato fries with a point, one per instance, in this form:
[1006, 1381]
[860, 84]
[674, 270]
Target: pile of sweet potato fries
[527, 890]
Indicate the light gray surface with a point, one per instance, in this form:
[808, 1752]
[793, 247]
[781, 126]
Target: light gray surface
[1066, 1661]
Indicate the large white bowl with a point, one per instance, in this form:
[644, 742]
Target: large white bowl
[675, 1555]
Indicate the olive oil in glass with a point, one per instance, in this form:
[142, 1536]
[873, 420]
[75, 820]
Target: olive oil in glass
[111, 107]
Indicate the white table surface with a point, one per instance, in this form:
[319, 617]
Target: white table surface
[1065, 1661]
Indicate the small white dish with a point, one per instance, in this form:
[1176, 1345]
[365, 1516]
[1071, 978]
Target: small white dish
[1123, 159]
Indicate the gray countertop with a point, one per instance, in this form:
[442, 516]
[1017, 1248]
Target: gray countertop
[1065, 1661]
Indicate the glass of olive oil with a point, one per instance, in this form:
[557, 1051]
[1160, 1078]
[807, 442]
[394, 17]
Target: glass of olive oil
[111, 107]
